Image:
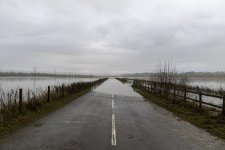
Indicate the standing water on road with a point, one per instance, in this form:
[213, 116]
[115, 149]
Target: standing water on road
[113, 86]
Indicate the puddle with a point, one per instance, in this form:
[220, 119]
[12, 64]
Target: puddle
[113, 86]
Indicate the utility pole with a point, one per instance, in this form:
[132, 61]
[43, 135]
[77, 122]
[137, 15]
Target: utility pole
[34, 76]
[55, 73]
[34, 70]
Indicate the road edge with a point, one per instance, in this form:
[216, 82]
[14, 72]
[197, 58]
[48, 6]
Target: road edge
[25, 119]
[215, 125]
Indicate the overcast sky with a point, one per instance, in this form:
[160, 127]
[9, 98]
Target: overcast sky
[111, 36]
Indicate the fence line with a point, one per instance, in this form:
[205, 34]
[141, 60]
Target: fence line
[14, 103]
[177, 91]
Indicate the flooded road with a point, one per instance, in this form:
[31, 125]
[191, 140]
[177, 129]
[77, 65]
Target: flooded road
[115, 87]
[112, 116]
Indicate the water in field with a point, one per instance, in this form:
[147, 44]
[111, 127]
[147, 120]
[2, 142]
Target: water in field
[33, 83]
[209, 82]
[215, 83]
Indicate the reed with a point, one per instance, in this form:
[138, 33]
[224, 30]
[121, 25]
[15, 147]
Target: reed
[32, 100]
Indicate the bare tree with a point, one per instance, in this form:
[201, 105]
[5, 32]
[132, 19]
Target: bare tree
[167, 76]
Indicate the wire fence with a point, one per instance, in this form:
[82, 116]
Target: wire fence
[202, 96]
[16, 102]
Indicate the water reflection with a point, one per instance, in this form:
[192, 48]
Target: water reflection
[113, 86]
[33, 83]
[209, 82]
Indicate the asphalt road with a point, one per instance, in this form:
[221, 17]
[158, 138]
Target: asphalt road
[111, 117]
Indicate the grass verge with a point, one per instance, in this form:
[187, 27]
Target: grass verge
[29, 117]
[188, 111]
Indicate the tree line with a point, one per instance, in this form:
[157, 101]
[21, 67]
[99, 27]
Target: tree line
[39, 74]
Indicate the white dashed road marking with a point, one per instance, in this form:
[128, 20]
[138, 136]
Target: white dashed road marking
[113, 124]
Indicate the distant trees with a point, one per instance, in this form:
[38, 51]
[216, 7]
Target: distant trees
[188, 74]
[22, 74]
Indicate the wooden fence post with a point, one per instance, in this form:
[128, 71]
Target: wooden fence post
[63, 92]
[28, 95]
[155, 88]
[48, 94]
[185, 95]
[20, 100]
[1, 118]
[174, 93]
[200, 99]
[223, 111]
[1, 115]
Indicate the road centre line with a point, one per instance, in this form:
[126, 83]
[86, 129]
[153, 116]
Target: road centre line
[113, 124]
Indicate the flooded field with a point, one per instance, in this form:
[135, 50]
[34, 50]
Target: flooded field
[215, 83]
[41, 83]
[34, 83]
[209, 82]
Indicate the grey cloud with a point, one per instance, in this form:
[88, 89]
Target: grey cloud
[112, 36]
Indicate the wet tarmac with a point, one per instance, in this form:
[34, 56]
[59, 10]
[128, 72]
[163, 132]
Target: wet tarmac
[111, 117]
